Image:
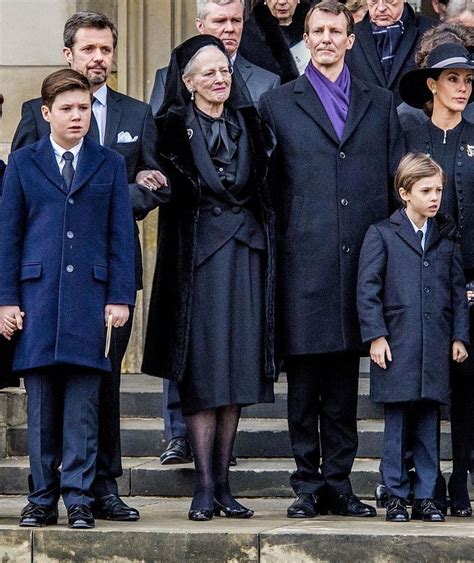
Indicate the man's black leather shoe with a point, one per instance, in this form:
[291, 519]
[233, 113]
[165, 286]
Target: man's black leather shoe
[350, 505]
[461, 511]
[177, 451]
[79, 517]
[381, 495]
[426, 510]
[37, 516]
[305, 506]
[397, 510]
[112, 507]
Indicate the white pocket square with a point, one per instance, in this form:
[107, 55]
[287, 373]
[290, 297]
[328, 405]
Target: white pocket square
[125, 137]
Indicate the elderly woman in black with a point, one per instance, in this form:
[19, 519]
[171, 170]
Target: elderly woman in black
[211, 314]
[271, 35]
[443, 89]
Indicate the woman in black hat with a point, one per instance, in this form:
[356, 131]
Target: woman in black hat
[210, 324]
[443, 89]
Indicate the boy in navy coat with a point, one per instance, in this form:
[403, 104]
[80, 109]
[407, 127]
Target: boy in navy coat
[66, 267]
[412, 307]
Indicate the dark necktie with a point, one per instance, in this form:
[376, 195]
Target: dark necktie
[419, 234]
[68, 169]
[94, 128]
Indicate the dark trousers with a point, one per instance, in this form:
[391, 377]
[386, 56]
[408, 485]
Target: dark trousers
[462, 434]
[63, 405]
[175, 427]
[109, 456]
[322, 388]
[424, 443]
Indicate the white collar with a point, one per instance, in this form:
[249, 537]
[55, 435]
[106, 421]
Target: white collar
[423, 229]
[59, 150]
[101, 95]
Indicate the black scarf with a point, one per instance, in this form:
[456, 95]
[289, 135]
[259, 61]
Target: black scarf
[387, 38]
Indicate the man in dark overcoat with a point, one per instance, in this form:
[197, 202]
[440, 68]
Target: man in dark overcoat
[125, 125]
[386, 42]
[339, 142]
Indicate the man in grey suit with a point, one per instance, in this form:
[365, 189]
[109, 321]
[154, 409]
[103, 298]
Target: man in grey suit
[224, 19]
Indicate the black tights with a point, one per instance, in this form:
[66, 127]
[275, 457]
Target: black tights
[212, 434]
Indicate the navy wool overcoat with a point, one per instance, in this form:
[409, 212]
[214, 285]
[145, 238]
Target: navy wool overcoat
[66, 255]
[417, 300]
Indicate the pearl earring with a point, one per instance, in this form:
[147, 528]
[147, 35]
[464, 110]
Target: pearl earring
[192, 94]
[434, 92]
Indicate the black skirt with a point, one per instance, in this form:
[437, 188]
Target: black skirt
[226, 350]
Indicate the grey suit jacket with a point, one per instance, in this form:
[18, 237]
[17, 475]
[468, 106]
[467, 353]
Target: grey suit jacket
[256, 79]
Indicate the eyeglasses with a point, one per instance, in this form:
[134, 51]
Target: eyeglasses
[373, 3]
[211, 75]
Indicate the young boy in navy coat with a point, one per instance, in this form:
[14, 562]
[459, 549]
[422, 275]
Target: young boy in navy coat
[66, 267]
[412, 307]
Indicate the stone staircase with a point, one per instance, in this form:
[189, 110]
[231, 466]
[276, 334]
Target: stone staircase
[262, 447]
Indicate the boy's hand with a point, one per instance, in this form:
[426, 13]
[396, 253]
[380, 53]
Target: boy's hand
[379, 348]
[119, 314]
[11, 320]
[459, 352]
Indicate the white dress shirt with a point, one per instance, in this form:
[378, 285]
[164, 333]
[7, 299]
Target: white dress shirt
[59, 151]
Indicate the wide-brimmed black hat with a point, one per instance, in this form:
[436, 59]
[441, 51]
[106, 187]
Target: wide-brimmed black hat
[413, 88]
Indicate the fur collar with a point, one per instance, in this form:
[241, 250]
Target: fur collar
[270, 29]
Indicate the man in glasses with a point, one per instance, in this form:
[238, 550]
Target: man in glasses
[386, 41]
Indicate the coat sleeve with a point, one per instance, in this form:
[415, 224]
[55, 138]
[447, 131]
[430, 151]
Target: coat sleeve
[158, 92]
[143, 200]
[26, 133]
[397, 150]
[459, 306]
[370, 284]
[121, 285]
[12, 221]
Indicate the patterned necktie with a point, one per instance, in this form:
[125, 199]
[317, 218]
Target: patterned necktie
[68, 169]
[419, 234]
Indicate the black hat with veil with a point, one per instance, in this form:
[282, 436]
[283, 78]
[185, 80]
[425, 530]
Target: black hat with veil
[176, 94]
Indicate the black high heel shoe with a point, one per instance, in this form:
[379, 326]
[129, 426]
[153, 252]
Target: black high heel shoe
[238, 511]
[200, 515]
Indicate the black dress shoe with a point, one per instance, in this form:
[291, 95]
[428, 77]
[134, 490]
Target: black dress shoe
[236, 511]
[381, 495]
[37, 516]
[112, 507]
[460, 511]
[426, 510]
[79, 516]
[233, 461]
[200, 514]
[397, 510]
[177, 451]
[304, 506]
[350, 505]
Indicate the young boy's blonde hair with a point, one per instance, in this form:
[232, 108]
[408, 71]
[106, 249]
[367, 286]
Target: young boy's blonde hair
[413, 167]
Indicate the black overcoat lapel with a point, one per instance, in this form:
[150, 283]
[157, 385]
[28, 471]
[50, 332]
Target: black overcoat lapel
[405, 230]
[45, 160]
[114, 114]
[366, 41]
[358, 105]
[90, 158]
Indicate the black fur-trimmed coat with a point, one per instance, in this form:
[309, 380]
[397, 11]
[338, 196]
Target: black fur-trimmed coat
[264, 45]
[167, 338]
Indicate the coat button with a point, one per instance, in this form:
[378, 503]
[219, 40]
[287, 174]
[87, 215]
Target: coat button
[216, 211]
[236, 209]
[69, 268]
[70, 234]
[426, 263]
[342, 155]
[461, 148]
[459, 163]
[426, 289]
[346, 249]
[221, 169]
[427, 316]
[344, 202]
[71, 201]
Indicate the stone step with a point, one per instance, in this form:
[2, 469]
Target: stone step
[250, 478]
[165, 535]
[142, 397]
[255, 438]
